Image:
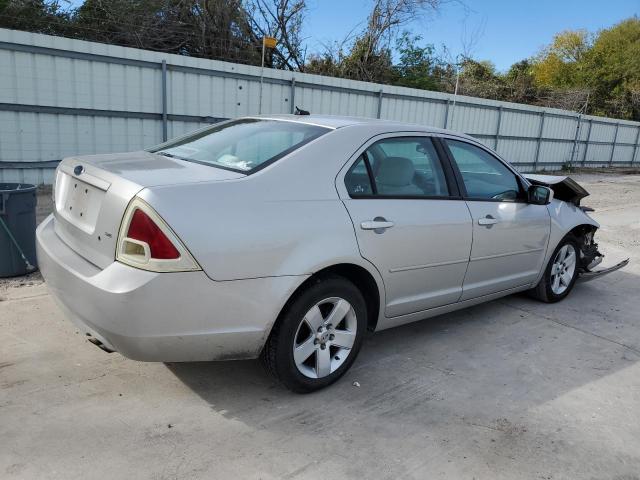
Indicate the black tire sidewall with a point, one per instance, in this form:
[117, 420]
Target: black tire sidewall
[287, 371]
[551, 296]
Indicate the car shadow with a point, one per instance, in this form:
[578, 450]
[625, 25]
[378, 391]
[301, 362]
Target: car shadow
[489, 361]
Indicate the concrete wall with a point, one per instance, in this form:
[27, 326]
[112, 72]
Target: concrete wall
[61, 97]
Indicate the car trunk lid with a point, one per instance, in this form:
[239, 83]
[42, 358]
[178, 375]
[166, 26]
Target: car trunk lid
[92, 194]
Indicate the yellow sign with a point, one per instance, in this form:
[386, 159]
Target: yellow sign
[269, 42]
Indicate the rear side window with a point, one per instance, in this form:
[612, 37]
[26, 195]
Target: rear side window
[357, 180]
[398, 167]
[243, 145]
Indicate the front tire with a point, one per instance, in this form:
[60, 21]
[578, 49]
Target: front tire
[561, 272]
[317, 336]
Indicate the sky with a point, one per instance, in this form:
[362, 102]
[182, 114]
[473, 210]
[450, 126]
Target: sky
[505, 31]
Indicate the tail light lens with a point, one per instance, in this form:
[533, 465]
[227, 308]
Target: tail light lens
[143, 229]
[147, 242]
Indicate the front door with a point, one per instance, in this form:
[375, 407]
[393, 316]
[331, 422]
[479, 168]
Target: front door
[408, 224]
[509, 235]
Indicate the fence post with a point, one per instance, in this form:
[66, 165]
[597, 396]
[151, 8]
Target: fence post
[293, 95]
[498, 125]
[613, 147]
[380, 94]
[446, 115]
[535, 161]
[586, 145]
[164, 100]
[635, 149]
[575, 140]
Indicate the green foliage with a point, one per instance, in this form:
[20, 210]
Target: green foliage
[212, 29]
[593, 73]
[606, 67]
[560, 64]
[520, 83]
[418, 67]
[613, 67]
[34, 15]
[360, 62]
[366, 62]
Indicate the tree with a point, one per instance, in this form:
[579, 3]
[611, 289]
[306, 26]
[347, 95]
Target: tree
[520, 83]
[369, 55]
[283, 20]
[217, 29]
[592, 73]
[40, 16]
[613, 67]
[560, 64]
[480, 79]
[418, 66]
[605, 69]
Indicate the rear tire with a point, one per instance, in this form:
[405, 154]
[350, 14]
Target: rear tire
[317, 336]
[561, 272]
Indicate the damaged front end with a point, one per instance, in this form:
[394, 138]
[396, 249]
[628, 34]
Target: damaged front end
[568, 190]
[564, 188]
[590, 257]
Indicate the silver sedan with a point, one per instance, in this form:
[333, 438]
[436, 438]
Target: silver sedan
[289, 237]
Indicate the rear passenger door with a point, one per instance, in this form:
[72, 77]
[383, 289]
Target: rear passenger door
[509, 235]
[410, 221]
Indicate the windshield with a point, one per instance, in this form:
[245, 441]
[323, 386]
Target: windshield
[242, 145]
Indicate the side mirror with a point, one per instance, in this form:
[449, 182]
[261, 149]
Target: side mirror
[539, 195]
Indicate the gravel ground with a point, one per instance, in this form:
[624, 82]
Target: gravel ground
[512, 389]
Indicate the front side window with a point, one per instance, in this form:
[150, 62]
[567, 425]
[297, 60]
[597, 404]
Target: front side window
[483, 174]
[242, 145]
[398, 167]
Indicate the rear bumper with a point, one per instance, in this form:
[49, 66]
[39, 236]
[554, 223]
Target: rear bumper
[168, 317]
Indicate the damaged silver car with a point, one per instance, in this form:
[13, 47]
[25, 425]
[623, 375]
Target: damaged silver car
[569, 191]
[288, 237]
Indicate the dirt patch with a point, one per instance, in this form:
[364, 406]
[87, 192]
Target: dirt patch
[45, 202]
[29, 280]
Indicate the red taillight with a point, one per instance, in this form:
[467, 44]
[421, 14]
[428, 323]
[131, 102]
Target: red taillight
[143, 229]
[146, 242]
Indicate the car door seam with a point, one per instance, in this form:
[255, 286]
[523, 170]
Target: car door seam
[464, 278]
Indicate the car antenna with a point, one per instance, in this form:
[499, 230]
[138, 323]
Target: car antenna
[301, 112]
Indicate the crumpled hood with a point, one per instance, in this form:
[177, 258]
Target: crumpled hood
[564, 188]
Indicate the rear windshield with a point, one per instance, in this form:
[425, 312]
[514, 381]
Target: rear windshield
[243, 145]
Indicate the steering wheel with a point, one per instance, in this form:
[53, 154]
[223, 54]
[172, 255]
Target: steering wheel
[506, 195]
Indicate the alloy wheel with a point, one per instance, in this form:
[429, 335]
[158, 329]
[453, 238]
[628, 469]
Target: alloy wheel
[325, 337]
[563, 269]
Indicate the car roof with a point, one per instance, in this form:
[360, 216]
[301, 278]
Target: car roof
[338, 121]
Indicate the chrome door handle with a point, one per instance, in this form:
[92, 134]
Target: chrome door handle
[378, 224]
[487, 221]
[374, 225]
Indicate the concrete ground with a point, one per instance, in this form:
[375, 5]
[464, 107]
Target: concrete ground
[507, 390]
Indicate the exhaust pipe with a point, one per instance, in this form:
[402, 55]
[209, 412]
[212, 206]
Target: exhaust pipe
[99, 344]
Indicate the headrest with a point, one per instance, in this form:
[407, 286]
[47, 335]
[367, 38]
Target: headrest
[395, 171]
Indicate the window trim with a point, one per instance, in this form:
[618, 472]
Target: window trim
[460, 180]
[367, 165]
[449, 174]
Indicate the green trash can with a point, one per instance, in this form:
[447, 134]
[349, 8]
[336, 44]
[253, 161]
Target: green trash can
[17, 229]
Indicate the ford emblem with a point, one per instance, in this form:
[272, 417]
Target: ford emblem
[78, 170]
